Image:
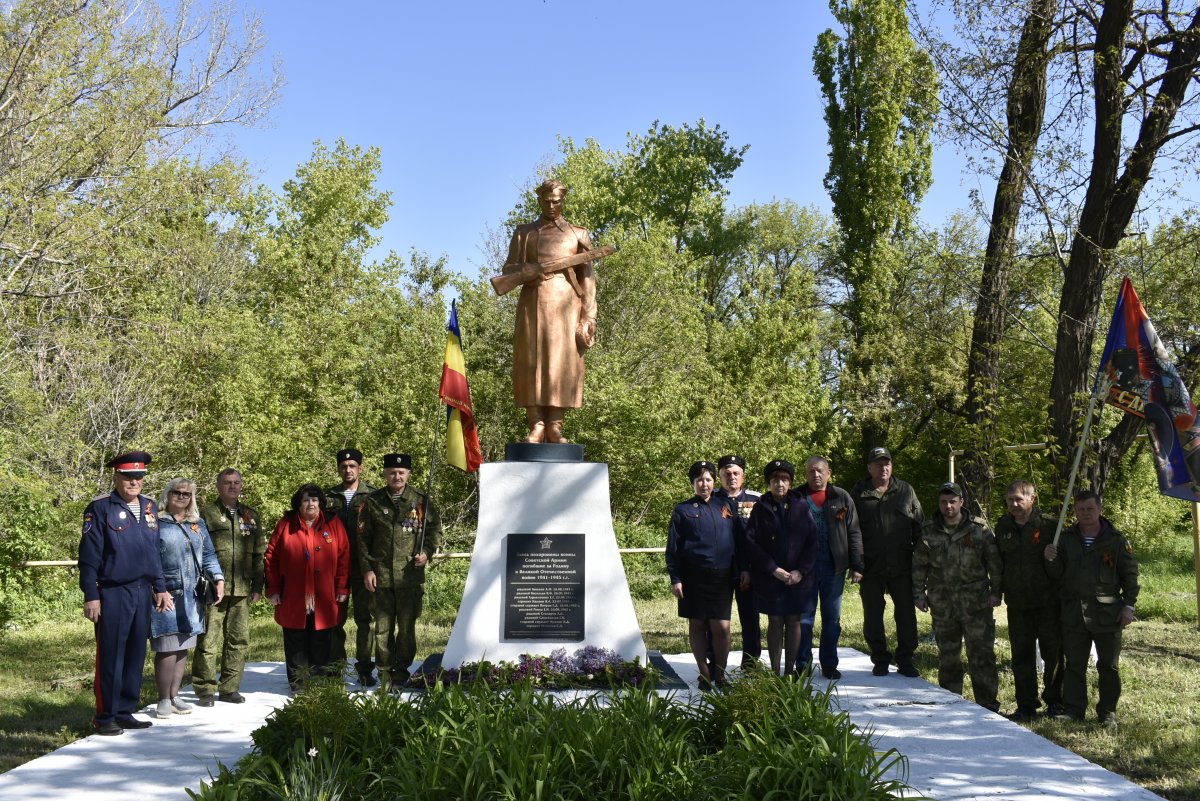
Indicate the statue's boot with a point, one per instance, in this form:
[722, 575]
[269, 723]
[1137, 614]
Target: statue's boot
[554, 423]
[536, 419]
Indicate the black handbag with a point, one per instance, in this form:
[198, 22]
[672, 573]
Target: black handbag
[206, 588]
[206, 583]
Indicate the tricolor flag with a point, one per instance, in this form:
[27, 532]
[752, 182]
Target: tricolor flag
[1143, 381]
[462, 441]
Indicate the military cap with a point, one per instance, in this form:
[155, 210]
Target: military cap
[397, 460]
[732, 458]
[132, 464]
[699, 467]
[351, 454]
[950, 488]
[777, 465]
[875, 454]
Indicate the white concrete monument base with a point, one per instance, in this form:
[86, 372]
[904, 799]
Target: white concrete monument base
[546, 499]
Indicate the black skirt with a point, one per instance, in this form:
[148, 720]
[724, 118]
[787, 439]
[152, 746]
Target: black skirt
[707, 594]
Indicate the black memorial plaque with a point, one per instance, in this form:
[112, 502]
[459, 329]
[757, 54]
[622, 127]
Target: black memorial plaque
[543, 587]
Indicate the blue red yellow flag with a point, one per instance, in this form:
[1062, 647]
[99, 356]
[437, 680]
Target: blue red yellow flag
[462, 440]
[1143, 381]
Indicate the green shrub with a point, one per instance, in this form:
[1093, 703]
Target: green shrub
[762, 738]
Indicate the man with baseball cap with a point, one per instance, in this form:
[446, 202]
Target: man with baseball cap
[957, 579]
[889, 515]
[731, 471]
[121, 576]
[398, 532]
[343, 500]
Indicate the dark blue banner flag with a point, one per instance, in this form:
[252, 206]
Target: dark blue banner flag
[1143, 381]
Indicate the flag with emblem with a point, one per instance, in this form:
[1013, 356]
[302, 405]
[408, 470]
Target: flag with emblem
[1143, 381]
[462, 440]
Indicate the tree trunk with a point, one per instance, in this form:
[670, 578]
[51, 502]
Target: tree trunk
[1107, 210]
[1026, 110]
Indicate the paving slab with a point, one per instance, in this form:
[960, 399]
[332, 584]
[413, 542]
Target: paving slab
[956, 750]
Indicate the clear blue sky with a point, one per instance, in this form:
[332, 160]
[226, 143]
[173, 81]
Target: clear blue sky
[466, 99]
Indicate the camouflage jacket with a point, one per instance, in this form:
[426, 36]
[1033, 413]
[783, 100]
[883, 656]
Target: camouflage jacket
[240, 543]
[956, 569]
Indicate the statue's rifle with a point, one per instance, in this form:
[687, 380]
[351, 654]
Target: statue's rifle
[514, 275]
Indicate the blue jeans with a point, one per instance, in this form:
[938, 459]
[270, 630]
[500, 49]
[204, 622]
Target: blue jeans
[828, 591]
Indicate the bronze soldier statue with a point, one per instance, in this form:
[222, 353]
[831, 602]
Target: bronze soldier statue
[556, 313]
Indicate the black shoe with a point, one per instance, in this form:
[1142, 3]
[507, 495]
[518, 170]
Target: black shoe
[367, 680]
[1053, 710]
[749, 661]
[109, 729]
[909, 670]
[833, 674]
[1108, 721]
[205, 700]
[1068, 717]
[232, 698]
[879, 670]
[131, 722]
[1022, 715]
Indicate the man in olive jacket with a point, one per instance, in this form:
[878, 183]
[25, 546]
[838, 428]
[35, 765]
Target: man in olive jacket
[1099, 589]
[238, 537]
[392, 558]
[889, 515]
[839, 548]
[956, 577]
[344, 500]
[1034, 614]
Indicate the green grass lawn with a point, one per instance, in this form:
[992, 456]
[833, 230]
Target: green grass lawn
[46, 696]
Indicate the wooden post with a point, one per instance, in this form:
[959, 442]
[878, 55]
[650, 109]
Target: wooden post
[1196, 552]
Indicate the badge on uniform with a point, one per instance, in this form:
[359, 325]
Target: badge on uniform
[1108, 558]
[120, 515]
[88, 518]
[224, 519]
[326, 535]
[195, 528]
[1037, 536]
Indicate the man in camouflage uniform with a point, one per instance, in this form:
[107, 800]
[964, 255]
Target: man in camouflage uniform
[237, 535]
[956, 577]
[1099, 589]
[392, 558]
[890, 517]
[343, 500]
[1034, 614]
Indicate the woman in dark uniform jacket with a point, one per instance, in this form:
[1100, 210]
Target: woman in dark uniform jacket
[781, 541]
[700, 562]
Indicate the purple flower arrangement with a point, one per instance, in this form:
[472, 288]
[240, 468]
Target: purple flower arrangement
[589, 667]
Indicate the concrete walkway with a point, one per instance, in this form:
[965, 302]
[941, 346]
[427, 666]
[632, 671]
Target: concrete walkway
[956, 750]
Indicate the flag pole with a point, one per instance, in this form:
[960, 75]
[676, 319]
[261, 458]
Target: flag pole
[1100, 390]
[437, 424]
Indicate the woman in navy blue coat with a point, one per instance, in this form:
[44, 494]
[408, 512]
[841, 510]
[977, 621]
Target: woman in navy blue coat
[700, 562]
[781, 542]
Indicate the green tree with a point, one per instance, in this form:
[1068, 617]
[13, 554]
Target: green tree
[880, 94]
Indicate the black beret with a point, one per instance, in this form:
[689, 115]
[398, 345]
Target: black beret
[397, 460]
[352, 454]
[699, 467]
[732, 458]
[132, 464]
[776, 466]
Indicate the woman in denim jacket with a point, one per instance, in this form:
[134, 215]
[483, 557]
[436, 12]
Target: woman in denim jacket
[185, 549]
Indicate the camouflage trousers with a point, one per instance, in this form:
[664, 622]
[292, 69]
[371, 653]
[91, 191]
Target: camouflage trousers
[396, 613]
[979, 630]
[224, 643]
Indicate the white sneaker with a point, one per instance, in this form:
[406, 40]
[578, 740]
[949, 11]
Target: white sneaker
[164, 709]
[181, 706]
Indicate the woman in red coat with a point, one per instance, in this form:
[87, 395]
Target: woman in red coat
[308, 572]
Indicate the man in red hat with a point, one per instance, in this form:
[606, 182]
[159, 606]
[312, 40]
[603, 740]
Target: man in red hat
[121, 576]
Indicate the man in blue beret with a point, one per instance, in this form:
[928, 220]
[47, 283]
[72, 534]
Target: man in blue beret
[121, 576]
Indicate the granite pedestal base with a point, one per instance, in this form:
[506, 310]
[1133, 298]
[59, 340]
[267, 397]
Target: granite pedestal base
[545, 572]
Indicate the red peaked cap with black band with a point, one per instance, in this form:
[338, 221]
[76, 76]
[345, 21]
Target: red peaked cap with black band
[132, 464]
